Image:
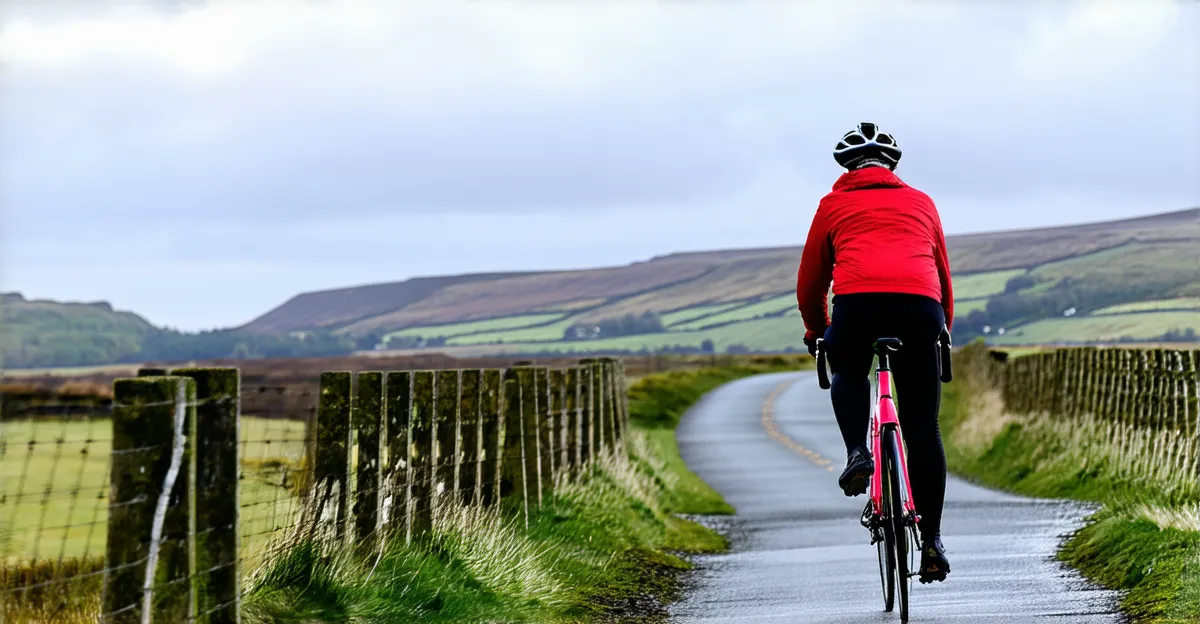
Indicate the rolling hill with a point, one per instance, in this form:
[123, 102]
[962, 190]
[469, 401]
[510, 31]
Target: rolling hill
[1134, 279]
[1004, 281]
[40, 332]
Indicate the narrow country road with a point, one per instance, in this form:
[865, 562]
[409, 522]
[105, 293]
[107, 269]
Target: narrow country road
[770, 445]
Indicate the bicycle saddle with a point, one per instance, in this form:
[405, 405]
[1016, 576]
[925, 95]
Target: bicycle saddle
[887, 344]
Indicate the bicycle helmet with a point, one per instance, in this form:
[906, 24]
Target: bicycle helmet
[866, 146]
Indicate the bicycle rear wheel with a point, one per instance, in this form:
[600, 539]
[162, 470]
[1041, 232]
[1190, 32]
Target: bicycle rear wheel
[886, 550]
[891, 449]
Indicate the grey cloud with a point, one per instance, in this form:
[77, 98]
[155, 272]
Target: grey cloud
[675, 115]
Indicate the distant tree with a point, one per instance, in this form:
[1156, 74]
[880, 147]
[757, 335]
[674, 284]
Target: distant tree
[629, 325]
[1021, 282]
[737, 348]
[707, 346]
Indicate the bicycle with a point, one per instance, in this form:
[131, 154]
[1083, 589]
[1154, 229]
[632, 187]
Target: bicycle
[890, 511]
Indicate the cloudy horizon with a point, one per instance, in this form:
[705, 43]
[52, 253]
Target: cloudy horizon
[201, 162]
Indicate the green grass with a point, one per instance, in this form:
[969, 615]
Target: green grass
[551, 331]
[1109, 327]
[983, 284]
[1146, 537]
[741, 313]
[1180, 303]
[597, 547]
[768, 334]
[451, 330]
[681, 316]
[591, 548]
[963, 308]
[54, 481]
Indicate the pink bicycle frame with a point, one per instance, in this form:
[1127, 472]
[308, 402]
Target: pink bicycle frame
[885, 416]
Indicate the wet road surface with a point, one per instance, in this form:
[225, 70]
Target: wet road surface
[771, 447]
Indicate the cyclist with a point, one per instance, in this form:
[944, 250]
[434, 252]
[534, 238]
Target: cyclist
[880, 241]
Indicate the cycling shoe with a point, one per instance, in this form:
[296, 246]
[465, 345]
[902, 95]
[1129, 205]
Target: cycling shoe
[934, 565]
[859, 468]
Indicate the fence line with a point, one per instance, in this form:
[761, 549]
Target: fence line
[1144, 388]
[201, 495]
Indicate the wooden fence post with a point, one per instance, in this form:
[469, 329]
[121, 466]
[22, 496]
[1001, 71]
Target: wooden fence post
[1194, 404]
[558, 411]
[446, 462]
[368, 420]
[587, 420]
[468, 471]
[622, 401]
[218, 415]
[332, 465]
[609, 372]
[399, 408]
[420, 458]
[530, 447]
[492, 438]
[574, 409]
[513, 473]
[150, 551]
[545, 432]
[600, 390]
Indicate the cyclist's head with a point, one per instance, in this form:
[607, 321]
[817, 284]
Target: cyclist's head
[866, 146]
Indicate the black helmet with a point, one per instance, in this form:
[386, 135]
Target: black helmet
[865, 146]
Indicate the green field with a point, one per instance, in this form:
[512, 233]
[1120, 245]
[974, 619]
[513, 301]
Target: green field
[474, 327]
[670, 319]
[1109, 327]
[741, 313]
[983, 284]
[1181, 303]
[54, 483]
[963, 308]
[768, 334]
[552, 331]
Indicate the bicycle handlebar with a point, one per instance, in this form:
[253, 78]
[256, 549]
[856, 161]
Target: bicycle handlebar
[945, 368]
[822, 371]
[947, 372]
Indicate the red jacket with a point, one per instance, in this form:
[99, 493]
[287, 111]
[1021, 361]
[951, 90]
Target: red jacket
[872, 234]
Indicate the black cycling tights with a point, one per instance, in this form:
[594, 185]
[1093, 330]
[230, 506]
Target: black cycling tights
[856, 322]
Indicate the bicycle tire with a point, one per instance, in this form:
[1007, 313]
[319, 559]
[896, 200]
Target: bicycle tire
[885, 549]
[896, 513]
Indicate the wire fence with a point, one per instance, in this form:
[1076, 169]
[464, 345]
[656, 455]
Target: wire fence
[1143, 388]
[165, 505]
[1136, 410]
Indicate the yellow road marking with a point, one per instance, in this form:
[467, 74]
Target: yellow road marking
[768, 423]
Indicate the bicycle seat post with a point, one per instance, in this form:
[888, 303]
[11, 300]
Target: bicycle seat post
[884, 346]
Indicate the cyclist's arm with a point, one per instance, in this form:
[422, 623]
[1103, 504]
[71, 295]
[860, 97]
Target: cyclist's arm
[814, 276]
[943, 266]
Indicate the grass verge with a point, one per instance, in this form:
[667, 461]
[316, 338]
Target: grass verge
[1145, 539]
[606, 547]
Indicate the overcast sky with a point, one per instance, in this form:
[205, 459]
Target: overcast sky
[201, 162]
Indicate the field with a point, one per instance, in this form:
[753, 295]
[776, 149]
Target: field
[1103, 328]
[671, 319]
[1182, 303]
[963, 308]
[983, 284]
[773, 305]
[54, 481]
[551, 331]
[462, 329]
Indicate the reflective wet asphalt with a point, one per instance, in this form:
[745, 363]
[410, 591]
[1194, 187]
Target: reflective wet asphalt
[771, 447]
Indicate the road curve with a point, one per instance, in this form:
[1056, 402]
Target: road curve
[771, 447]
